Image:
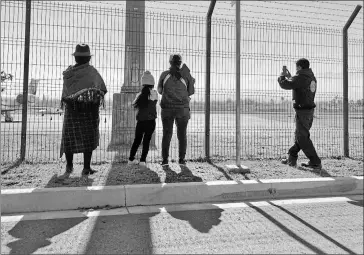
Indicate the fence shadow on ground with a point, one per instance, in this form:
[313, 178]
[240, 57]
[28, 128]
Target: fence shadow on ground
[12, 166]
[289, 232]
[222, 170]
[330, 239]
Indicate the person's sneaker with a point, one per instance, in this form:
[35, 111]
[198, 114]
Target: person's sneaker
[313, 166]
[291, 161]
[142, 163]
[182, 162]
[133, 162]
[88, 171]
[287, 162]
[164, 162]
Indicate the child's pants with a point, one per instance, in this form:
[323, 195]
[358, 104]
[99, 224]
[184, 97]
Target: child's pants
[143, 128]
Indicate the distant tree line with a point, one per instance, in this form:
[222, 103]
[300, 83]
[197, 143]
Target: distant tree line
[278, 105]
[250, 105]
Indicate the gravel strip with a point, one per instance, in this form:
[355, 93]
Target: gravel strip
[52, 175]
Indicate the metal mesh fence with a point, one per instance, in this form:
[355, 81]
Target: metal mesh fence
[267, 121]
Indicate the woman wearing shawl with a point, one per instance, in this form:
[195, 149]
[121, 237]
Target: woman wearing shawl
[83, 94]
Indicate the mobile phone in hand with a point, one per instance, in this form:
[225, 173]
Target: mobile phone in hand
[284, 69]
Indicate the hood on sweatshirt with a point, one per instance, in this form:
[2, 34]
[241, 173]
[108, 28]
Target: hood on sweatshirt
[307, 72]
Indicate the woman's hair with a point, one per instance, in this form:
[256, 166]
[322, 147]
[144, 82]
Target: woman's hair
[142, 100]
[175, 66]
[82, 60]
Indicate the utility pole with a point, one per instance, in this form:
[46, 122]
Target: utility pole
[123, 115]
[238, 167]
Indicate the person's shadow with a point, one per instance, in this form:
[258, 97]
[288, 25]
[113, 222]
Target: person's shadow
[321, 173]
[65, 180]
[185, 175]
[33, 235]
[202, 220]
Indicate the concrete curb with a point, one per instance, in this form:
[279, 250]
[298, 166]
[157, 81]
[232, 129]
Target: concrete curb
[54, 199]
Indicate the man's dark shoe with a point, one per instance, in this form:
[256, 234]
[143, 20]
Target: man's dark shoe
[164, 162]
[182, 162]
[313, 166]
[291, 161]
[69, 169]
[88, 171]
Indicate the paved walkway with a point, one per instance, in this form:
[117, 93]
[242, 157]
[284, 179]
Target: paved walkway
[324, 226]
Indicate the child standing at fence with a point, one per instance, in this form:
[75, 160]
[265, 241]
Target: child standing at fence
[145, 103]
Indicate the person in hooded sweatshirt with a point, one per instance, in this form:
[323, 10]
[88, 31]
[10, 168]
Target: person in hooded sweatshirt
[176, 85]
[303, 86]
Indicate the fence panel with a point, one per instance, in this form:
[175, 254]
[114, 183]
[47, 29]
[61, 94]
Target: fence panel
[356, 97]
[267, 116]
[267, 119]
[12, 59]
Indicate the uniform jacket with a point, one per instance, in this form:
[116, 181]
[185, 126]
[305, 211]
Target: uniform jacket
[303, 86]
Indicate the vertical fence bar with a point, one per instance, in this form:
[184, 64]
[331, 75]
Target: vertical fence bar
[238, 132]
[346, 80]
[25, 82]
[1, 151]
[208, 81]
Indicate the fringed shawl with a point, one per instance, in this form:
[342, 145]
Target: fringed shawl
[83, 83]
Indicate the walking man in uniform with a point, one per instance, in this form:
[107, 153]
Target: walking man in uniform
[303, 86]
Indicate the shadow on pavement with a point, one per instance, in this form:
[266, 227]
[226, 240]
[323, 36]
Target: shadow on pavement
[12, 166]
[321, 173]
[201, 220]
[124, 234]
[287, 230]
[185, 175]
[123, 174]
[65, 180]
[34, 235]
[357, 203]
[121, 234]
[222, 170]
[314, 229]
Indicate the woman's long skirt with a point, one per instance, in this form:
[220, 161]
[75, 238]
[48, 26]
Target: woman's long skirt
[80, 131]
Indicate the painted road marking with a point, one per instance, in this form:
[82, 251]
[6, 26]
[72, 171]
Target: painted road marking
[168, 208]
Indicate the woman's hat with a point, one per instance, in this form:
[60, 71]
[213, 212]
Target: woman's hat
[147, 78]
[82, 50]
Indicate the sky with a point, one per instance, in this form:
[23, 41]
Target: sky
[274, 33]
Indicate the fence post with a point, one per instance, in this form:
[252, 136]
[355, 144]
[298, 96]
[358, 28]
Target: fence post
[346, 81]
[25, 82]
[238, 131]
[208, 81]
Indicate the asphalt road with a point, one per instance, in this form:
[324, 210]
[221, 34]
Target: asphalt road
[320, 226]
